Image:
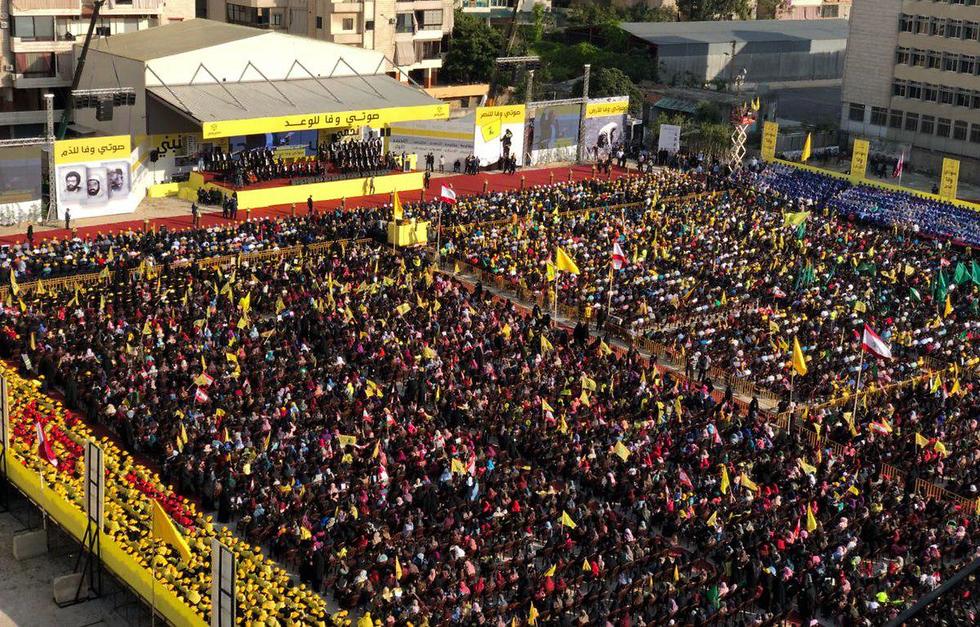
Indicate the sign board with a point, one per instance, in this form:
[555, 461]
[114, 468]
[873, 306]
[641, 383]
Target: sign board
[94, 176]
[859, 159]
[4, 414]
[670, 138]
[223, 568]
[770, 130]
[607, 107]
[336, 119]
[499, 132]
[94, 484]
[949, 180]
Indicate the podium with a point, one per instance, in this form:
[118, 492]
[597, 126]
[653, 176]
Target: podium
[408, 233]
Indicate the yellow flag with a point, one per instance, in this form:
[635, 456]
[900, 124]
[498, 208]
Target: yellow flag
[280, 305]
[397, 211]
[546, 406]
[799, 363]
[402, 309]
[807, 468]
[33, 343]
[621, 451]
[163, 528]
[562, 425]
[398, 569]
[811, 520]
[104, 275]
[921, 440]
[505, 331]
[532, 615]
[940, 448]
[747, 483]
[805, 155]
[586, 567]
[347, 440]
[854, 491]
[14, 288]
[724, 479]
[587, 383]
[268, 439]
[147, 328]
[566, 520]
[949, 307]
[545, 344]
[937, 382]
[604, 348]
[565, 263]
[550, 271]
[457, 467]
[955, 388]
[584, 399]
[712, 521]
[677, 574]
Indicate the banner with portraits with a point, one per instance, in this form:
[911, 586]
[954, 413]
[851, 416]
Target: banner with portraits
[499, 134]
[94, 177]
[605, 124]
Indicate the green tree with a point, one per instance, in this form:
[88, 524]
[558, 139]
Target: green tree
[472, 51]
[713, 10]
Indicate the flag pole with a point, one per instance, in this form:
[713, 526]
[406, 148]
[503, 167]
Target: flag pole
[555, 301]
[609, 299]
[439, 234]
[857, 386]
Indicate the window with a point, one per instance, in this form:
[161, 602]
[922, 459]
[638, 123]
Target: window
[347, 23]
[240, 14]
[933, 60]
[930, 93]
[975, 100]
[856, 112]
[963, 97]
[921, 25]
[914, 91]
[829, 10]
[949, 61]
[429, 49]
[319, 22]
[276, 19]
[967, 64]
[902, 56]
[975, 133]
[970, 30]
[898, 88]
[429, 20]
[895, 119]
[936, 26]
[954, 29]
[928, 124]
[34, 64]
[39, 28]
[879, 116]
[905, 23]
[912, 122]
[945, 95]
[959, 130]
[369, 25]
[403, 23]
[942, 127]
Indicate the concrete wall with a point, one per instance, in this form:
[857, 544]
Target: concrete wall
[765, 61]
[871, 52]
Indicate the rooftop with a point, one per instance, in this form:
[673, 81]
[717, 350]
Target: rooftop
[743, 31]
[173, 38]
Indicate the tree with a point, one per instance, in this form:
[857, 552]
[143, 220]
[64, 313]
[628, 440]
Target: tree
[608, 81]
[714, 10]
[472, 52]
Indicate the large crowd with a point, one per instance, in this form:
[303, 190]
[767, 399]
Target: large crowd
[431, 453]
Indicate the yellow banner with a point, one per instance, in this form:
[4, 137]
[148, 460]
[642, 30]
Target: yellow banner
[290, 152]
[337, 119]
[603, 109]
[92, 149]
[950, 178]
[859, 159]
[507, 114]
[770, 130]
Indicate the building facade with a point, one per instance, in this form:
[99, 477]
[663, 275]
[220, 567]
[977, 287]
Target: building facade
[36, 40]
[811, 10]
[912, 79]
[411, 33]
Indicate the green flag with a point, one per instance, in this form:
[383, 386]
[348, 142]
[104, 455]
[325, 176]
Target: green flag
[939, 287]
[962, 274]
[975, 272]
[914, 293]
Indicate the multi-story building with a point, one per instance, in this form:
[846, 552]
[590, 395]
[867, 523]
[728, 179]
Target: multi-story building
[500, 9]
[410, 33]
[912, 79]
[36, 42]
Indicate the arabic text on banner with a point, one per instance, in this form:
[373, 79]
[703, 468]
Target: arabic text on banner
[770, 130]
[859, 159]
[338, 119]
[949, 180]
[91, 149]
[603, 109]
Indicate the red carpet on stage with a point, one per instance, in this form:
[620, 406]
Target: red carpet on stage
[465, 185]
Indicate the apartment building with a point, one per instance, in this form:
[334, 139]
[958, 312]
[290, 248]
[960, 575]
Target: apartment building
[410, 33]
[811, 10]
[37, 39]
[503, 9]
[912, 78]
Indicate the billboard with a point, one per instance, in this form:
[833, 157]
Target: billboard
[450, 139]
[605, 123]
[499, 133]
[554, 133]
[93, 176]
[20, 182]
[670, 138]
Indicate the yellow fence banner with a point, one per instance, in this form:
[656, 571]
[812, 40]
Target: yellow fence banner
[604, 109]
[949, 180]
[770, 130]
[859, 159]
[117, 147]
[335, 119]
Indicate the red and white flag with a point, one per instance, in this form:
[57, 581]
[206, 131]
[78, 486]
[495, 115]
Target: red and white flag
[899, 166]
[618, 257]
[873, 343]
[44, 447]
[447, 195]
[201, 396]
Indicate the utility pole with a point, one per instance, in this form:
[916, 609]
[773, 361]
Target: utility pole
[581, 117]
[529, 89]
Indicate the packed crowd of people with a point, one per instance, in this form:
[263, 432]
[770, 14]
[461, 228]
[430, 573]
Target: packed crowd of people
[430, 453]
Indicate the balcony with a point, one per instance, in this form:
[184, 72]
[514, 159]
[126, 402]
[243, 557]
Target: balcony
[133, 7]
[30, 81]
[350, 39]
[347, 7]
[45, 7]
[39, 44]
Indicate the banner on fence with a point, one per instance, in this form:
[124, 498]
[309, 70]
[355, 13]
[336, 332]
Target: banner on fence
[949, 180]
[859, 159]
[770, 130]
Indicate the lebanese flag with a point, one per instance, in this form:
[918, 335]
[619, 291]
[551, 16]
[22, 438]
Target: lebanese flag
[201, 396]
[872, 343]
[685, 480]
[899, 166]
[618, 258]
[447, 195]
[44, 447]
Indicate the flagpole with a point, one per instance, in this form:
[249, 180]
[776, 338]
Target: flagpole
[555, 301]
[609, 299]
[857, 386]
[439, 233]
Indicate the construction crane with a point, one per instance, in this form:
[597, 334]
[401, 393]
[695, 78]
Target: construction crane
[511, 38]
[76, 79]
